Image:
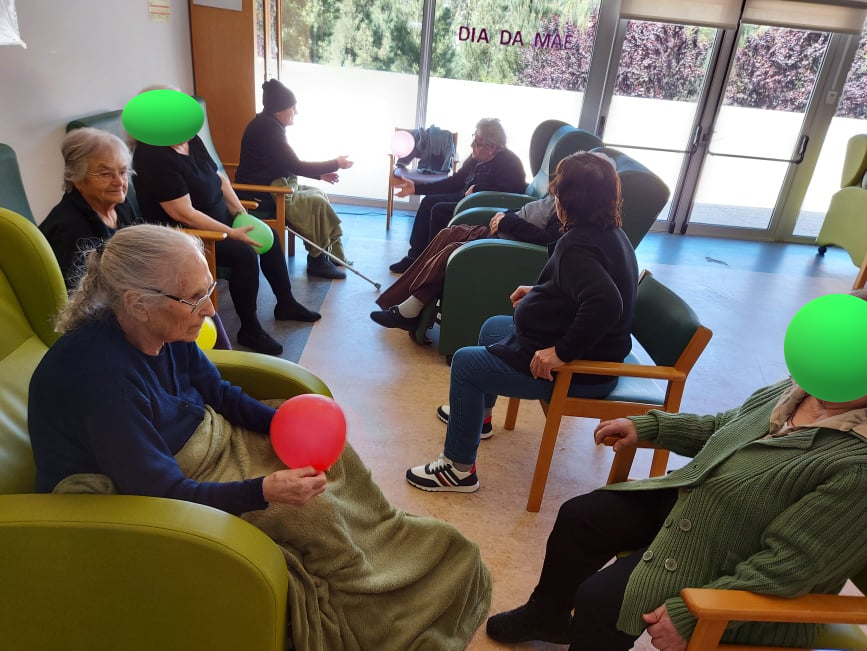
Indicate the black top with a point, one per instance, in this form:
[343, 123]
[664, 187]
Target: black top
[503, 173]
[524, 231]
[73, 226]
[582, 304]
[265, 156]
[162, 174]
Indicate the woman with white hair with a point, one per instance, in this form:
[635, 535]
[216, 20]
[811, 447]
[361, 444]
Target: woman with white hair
[491, 167]
[96, 171]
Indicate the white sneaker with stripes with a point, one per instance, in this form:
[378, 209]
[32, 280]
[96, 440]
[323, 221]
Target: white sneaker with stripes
[441, 476]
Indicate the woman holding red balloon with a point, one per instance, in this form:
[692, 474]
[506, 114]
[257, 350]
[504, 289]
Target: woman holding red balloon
[128, 346]
[126, 401]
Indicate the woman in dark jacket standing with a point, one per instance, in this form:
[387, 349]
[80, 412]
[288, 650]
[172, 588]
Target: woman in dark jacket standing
[581, 307]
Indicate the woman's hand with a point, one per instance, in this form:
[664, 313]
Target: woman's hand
[404, 187]
[519, 293]
[294, 486]
[470, 190]
[622, 429]
[240, 234]
[494, 224]
[663, 633]
[542, 363]
[343, 162]
[330, 177]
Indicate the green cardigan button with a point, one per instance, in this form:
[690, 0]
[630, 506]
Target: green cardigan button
[684, 525]
[670, 564]
[646, 556]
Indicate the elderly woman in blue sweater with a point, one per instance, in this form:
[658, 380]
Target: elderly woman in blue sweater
[772, 502]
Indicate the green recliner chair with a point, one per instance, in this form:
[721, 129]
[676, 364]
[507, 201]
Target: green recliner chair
[12, 194]
[482, 274]
[844, 224]
[564, 140]
[107, 572]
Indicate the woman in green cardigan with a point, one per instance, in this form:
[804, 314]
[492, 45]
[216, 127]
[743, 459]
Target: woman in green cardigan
[774, 501]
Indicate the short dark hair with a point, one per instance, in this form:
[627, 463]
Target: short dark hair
[587, 189]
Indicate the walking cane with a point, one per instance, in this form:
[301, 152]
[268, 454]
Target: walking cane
[335, 258]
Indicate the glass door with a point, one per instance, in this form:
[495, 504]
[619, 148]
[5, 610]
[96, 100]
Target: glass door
[849, 119]
[758, 133]
[657, 95]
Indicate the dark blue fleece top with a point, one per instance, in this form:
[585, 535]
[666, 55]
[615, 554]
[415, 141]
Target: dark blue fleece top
[98, 404]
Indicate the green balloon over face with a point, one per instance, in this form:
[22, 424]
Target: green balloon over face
[163, 117]
[826, 348]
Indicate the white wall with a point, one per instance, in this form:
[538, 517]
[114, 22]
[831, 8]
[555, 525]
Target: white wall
[82, 57]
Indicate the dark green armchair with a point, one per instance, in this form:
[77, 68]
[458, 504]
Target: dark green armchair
[563, 140]
[107, 572]
[482, 274]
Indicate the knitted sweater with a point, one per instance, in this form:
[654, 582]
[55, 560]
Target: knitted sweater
[97, 404]
[780, 516]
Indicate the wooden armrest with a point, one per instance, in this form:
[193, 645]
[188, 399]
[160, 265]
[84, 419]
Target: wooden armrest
[743, 606]
[276, 189]
[619, 368]
[233, 166]
[249, 204]
[212, 236]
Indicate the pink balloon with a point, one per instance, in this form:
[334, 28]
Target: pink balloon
[402, 144]
[309, 430]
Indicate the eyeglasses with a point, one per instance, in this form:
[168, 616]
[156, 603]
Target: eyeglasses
[193, 304]
[475, 144]
[107, 176]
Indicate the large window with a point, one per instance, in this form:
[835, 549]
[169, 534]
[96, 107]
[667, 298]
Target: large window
[850, 119]
[353, 65]
[519, 61]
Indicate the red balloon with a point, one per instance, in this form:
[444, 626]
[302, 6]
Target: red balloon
[308, 430]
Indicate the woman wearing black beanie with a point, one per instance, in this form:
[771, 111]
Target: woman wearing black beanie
[267, 159]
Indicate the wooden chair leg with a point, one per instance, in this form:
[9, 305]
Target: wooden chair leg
[512, 413]
[659, 463]
[389, 199]
[861, 278]
[621, 466]
[543, 462]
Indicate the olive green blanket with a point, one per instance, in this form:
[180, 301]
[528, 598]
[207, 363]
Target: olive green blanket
[362, 574]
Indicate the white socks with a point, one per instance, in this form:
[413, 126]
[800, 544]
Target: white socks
[410, 308]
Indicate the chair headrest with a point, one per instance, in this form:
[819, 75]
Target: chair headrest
[12, 194]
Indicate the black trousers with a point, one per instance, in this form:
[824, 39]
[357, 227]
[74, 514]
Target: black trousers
[590, 530]
[244, 262]
[434, 213]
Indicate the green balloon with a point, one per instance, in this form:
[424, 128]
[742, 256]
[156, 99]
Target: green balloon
[826, 348]
[162, 117]
[261, 232]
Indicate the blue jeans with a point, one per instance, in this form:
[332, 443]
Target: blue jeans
[478, 377]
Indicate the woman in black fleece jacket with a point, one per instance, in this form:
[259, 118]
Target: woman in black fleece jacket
[580, 308]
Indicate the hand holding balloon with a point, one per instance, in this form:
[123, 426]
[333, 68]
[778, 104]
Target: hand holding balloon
[260, 232]
[309, 430]
[296, 486]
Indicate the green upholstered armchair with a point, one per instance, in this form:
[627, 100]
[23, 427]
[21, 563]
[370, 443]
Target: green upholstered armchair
[119, 571]
[482, 274]
[564, 140]
[844, 224]
[12, 194]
